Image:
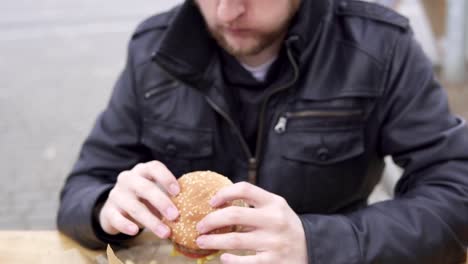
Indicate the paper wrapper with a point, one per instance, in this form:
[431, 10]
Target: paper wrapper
[149, 253]
[111, 256]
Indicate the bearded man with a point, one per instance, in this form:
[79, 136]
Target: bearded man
[298, 102]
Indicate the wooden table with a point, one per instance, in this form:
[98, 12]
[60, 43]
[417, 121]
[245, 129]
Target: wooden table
[33, 246]
[48, 247]
[52, 247]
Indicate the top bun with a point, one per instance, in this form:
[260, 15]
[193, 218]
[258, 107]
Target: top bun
[196, 190]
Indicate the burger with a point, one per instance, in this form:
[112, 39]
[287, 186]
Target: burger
[196, 190]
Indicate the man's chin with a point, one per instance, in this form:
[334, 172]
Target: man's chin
[240, 46]
[240, 53]
[241, 49]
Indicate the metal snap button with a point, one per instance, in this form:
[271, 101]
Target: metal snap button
[323, 154]
[171, 149]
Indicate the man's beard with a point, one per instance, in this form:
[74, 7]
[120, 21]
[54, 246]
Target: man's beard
[261, 40]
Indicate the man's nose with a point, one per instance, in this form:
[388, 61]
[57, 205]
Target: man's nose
[229, 10]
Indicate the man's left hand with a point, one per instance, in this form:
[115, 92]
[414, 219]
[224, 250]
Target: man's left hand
[270, 227]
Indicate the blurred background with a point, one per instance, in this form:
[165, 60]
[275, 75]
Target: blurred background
[60, 58]
[58, 62]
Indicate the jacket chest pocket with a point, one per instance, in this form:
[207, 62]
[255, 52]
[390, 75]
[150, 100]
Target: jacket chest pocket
[180, 148]
[322, 153]
[321, 137]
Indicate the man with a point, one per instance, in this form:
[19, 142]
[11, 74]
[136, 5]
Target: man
[302, 99]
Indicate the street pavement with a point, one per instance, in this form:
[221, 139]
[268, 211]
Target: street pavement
[58, 62]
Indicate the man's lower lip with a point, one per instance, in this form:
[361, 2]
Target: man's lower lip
[238, 32]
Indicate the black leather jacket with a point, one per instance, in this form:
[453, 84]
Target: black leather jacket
[358, 88]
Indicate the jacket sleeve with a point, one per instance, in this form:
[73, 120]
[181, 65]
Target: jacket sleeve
[112, 147]
[427, 221]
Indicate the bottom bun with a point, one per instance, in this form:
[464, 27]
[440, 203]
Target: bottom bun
[193, 253]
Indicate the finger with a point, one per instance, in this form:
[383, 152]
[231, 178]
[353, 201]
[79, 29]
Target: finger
[227, 258]
[152, 209]
[231, 216]
[229, 241]
[159, 173]
[120, 223]
[244, 229]
[138, 211]
[140, 226]
[250, 193]
[149, 191]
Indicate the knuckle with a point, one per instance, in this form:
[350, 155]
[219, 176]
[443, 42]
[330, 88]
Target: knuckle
[143, 188]
[105, 216]
[244, 188]
[164, 180]
[280, 201]
[113, 194]
[134, 212]
[233, 216]
[279, 220]
[122, 177]
[160, 204]
[139, 166]
[150, 223]
[282, 223]
[116, 220]
[145, 191]
[266, 259]
[155, 165]
[235, 241]
[154, 193]
[276, 244]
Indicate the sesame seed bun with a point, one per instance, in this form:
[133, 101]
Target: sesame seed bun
[196, 190]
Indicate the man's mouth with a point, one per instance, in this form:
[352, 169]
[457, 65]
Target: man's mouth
[238, 32]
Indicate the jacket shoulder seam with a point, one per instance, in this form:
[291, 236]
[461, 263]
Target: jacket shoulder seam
[372, 11]
[154, 23]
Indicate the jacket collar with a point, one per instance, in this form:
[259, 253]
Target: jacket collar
[188, 52]
[187, 48]
[306, 24]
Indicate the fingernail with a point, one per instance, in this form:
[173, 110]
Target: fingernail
[172, 213]
[224, 257]
[200, 228]
[213, 202]
[174, 189]
[201, 242]
[162, 231]
[132, 229]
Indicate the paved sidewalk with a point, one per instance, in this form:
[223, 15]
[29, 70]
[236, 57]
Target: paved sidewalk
[58, 62]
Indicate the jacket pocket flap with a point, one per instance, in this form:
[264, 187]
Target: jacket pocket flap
[323, 148]
[175, 140]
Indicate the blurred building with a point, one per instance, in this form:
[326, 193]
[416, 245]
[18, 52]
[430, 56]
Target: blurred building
[441, 26]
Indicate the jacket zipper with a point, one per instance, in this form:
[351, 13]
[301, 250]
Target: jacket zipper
[232, 124]
[280, 127]
[253, 159]
[258, 150]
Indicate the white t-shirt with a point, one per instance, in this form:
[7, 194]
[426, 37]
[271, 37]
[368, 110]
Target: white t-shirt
[259, 72]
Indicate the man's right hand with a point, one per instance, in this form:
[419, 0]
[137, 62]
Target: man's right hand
[138, 200]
